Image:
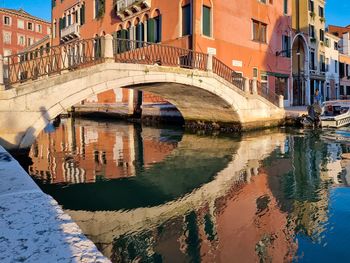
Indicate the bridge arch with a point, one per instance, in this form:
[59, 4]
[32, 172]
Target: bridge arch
[196, 100]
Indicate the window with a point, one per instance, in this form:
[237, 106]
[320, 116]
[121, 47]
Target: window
[311, 6]
[264, 83]
[326, 41]
[320, 11]
[154, 29]
[312, 31]
[30, 26]
[327, 64]
[206, 21]
[48, 30]
[312, 60]
[186, 20]
[285, 7]
[322, 63]
[30, 41]
[39, 28]
[7, 20]
[262, 1]
[285, 46]
[255, 72]
[99, 8]
[82, 15]
[259, 31]
[7, 37]
[321, 35]
[20, 24]
[341, 90]
[53, 3]
[335, 46]
[336, 66]
[21, 40]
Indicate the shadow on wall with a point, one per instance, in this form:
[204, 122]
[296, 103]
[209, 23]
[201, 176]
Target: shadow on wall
[277, 60]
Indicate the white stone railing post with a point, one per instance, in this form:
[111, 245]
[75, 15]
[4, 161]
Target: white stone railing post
[246, 86]
[210, 63]
[281, 101]
[107, 47]
[2, 85]
[255, 86]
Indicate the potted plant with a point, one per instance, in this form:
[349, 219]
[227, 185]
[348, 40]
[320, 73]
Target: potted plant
[312, 14]
[323, 19]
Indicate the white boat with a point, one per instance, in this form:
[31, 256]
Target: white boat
[335, 113]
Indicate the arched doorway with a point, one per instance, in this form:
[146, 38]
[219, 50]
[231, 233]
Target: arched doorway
[300, 91]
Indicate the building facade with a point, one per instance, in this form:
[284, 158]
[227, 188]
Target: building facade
[331, 88]
[20, 30]
[254, 39]
[344, 58]
[308, 50]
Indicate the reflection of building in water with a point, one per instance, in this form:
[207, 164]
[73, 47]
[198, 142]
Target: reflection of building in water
[84, 151]
[234, 216]
[304, 192]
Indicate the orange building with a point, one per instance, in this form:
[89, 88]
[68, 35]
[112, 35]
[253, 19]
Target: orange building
[253, 39]
[20, 30]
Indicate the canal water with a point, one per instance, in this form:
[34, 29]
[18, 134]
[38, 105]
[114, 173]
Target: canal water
[144, 194]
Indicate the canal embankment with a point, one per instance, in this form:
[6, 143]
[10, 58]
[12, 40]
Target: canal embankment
[33, 227]
[163, 113]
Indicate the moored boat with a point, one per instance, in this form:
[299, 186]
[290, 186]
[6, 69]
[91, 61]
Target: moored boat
[335, 113]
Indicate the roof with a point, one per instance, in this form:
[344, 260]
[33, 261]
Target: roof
[21, 12]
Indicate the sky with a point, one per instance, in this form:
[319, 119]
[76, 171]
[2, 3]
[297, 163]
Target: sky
[337, 11]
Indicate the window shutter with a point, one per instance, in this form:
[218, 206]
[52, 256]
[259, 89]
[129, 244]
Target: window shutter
[151, 24]
[206, 21]
[159, 28]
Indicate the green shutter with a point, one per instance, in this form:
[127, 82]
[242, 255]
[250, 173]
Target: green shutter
[186, 20]
[151, 26]
[206, 21]
[158, 29]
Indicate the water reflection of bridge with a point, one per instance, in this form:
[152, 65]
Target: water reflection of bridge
[103, 227]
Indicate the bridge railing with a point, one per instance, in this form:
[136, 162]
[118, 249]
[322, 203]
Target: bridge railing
[224, 71]
[31, 65]
[139, 52]
[264, 91]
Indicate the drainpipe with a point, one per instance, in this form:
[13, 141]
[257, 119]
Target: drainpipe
[193, 35]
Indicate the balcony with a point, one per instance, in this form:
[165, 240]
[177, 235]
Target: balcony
[127, 8]
[70, 32]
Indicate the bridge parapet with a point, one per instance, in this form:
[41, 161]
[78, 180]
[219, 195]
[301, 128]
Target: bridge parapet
[31, 65]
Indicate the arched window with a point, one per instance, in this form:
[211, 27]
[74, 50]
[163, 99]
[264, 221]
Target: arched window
[207, 18]
[140, 32]
[154, 27]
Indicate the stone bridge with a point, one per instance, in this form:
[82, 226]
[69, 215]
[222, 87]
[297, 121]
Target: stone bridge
[35, 87]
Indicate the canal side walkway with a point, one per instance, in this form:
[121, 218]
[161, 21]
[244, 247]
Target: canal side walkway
[33, 227]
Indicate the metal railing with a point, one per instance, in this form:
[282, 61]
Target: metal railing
[138, 52]
[52, 60]
[228, 74]
[264, 91]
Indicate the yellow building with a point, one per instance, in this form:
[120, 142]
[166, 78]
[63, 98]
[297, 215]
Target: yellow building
[308, 50]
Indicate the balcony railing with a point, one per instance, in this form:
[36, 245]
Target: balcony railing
[70, 32]
[127, 8]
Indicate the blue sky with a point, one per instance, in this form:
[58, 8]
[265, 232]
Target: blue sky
[337, 11]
